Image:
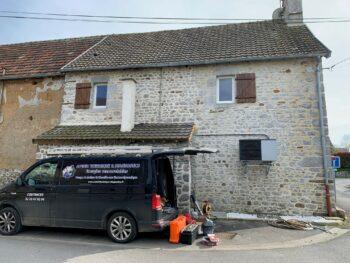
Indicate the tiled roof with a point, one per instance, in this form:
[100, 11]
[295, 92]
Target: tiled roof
[194, 46]
[141, 132]
[203, 45]
[41, 58]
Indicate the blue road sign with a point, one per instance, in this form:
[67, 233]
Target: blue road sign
[335, 162]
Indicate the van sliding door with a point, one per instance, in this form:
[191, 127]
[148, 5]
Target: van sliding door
[71, 207]
[91, 188]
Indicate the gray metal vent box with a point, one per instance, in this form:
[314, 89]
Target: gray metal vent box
[258, 150]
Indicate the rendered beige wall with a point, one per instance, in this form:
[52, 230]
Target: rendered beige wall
[29, 107]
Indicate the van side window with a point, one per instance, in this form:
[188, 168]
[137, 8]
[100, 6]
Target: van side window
[109, 171]
[41, 175]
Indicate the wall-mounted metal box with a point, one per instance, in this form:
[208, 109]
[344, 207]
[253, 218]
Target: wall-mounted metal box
[258, 150]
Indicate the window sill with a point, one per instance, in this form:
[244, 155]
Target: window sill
[99, 108]
[224, 102]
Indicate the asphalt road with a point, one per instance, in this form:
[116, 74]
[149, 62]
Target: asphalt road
[343, 193]
[36, 246]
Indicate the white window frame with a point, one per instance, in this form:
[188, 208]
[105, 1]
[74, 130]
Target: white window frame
[96, 85]
[233, 90]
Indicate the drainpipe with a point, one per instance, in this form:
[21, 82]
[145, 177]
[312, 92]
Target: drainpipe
[323, 137]
[2, 87]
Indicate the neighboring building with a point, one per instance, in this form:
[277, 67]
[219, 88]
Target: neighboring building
[207, 87]
[340, 150]
[31, 91]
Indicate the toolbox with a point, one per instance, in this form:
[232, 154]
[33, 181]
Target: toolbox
[189, 234]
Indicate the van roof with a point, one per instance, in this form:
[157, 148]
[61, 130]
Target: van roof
[70, 157]
[143, 155]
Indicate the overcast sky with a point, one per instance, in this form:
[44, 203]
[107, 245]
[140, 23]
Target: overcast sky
[335, 36]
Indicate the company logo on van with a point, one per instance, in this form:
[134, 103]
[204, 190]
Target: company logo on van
[68, 172]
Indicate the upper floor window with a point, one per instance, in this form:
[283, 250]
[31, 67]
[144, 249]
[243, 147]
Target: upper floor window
[240, 88]
[226, 90]
[100, 95]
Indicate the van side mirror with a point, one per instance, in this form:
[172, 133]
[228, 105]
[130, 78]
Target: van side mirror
[19, 181]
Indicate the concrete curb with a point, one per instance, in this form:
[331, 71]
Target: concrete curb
[319, 238]
[311, 240]
[112, 256]
[316, 220]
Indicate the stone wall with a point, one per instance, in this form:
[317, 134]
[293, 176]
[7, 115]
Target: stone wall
[8, 175]
[288, 186]
[286, 110]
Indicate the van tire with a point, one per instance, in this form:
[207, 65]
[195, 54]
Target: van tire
[121, 227]
[9, 213]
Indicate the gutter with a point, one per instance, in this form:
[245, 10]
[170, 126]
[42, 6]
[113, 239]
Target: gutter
[99, 141]
[233, 134]
[34, 76]
[323, 136]
[204, 62]
[63, 70]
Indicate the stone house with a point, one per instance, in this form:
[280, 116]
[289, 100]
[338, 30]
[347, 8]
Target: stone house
[31, 92]
[208, 87]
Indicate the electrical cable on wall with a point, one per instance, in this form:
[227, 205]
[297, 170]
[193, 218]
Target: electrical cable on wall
[336, 64]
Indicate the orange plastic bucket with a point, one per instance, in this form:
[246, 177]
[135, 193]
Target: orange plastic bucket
[175, 228]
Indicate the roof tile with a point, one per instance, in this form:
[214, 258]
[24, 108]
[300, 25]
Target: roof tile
[141, 132]
[41, 57]
[203, 45]
[194, 46]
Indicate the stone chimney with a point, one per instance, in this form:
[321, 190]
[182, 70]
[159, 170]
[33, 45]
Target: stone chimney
[291, 11]
[128, 105]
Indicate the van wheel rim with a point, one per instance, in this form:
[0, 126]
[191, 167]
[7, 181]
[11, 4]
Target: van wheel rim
[7, 222]
[121, 228]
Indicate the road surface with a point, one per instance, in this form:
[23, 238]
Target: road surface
[343, 193]
[53, 246]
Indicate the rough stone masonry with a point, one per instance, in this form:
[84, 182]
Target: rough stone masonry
[286, 109]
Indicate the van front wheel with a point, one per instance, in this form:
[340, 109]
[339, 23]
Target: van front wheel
[121, 227]
[10, 221]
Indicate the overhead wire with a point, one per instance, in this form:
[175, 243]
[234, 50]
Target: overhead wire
[157, 18]
[149, 20]
[109, 21]
[336, 64]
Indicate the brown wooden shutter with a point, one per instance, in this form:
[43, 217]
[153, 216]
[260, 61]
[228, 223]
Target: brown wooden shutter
[82, 95]
[246, 88]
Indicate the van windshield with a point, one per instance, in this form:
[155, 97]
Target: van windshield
[165, 181]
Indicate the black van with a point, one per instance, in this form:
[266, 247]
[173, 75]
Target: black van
[123, 194]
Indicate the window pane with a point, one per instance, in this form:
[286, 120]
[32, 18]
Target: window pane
[101, 95]
[225, 89]
[42, 174]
